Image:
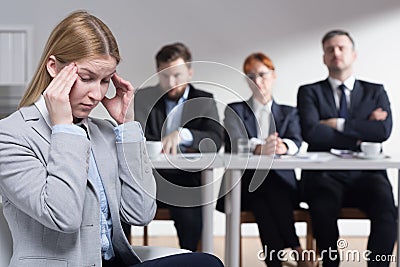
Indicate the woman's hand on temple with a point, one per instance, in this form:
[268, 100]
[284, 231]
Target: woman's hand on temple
[56, 95]
[120, 107]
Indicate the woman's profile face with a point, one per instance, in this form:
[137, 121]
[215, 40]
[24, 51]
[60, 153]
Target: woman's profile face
[94, 77]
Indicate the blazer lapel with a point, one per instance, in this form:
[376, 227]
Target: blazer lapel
[190, 106]
[249, 118]
[328, 95]
[355, 97]
[279, 121]
[103, 158]
[33, 118]
[159, 115]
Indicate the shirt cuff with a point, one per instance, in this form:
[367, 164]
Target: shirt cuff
[186, 136]
[129, 132]
[68, 128]
[292, 148]
[254, 142]
[340, 124]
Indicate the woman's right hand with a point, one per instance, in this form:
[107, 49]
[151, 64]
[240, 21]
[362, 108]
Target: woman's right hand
[56, 95]
[273, 145]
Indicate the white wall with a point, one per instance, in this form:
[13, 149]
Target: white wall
[227, 31]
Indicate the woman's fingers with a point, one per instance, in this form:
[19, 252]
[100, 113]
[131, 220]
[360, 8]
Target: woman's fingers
[63, 80]
[57, 93]
[120, 107]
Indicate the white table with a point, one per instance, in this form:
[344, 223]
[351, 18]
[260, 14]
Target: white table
[323, 161]
[205, 163]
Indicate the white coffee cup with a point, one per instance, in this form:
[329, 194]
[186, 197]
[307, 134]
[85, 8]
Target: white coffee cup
[154, 149]
[371, 149]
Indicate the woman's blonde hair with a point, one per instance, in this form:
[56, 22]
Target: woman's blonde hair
[80, 35]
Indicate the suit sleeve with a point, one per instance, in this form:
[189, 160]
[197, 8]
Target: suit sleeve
[52, 193]
[234, 128]
[205, 127]
[318, 136]
[148, 112]
[364, 129]
[138, 188]
[293, 129]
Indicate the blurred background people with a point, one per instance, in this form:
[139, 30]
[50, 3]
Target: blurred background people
[186, 120]
[272, 129]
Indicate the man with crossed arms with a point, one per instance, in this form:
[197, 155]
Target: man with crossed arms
[340, 112]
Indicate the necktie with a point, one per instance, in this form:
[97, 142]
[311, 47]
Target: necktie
[264, 123]
[343, 103]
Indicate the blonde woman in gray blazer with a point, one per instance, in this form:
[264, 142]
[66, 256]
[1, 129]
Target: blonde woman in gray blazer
[68, 179]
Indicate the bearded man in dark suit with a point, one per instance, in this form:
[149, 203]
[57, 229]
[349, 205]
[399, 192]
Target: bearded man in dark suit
[186, 120]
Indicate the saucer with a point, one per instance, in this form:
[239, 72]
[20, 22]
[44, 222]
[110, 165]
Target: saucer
[361, 155]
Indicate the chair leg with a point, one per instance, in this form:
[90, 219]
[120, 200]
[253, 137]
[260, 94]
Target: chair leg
[145, 236]
[240, 246]
[127, 231]
[310, 242]
[200, 245]
[309, 237]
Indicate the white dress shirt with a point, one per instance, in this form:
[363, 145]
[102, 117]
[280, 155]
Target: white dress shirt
[264, 119]
[174, 110]
[349, 83]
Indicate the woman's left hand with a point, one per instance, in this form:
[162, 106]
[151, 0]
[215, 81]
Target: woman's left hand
[120, 107]
[273, 145]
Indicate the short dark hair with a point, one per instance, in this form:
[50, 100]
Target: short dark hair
[172, 52]
[334, 33]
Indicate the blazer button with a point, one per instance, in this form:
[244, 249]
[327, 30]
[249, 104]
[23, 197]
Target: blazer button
[146, 170]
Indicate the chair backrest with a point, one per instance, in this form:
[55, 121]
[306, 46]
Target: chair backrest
[5, 240]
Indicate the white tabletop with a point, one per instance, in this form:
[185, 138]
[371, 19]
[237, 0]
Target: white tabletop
[310, 160]
[235, 164]
[204, 162]
[188, 161]
[313, 161]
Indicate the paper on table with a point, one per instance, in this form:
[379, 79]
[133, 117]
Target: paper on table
[310, 156]
[305, 156]
[190, 155]
[343, 153]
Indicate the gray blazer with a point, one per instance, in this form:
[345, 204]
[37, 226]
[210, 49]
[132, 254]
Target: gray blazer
[51, 206]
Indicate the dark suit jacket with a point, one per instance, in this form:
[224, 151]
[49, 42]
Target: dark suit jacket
[240, 122]
[315, 102]
[199, 115]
